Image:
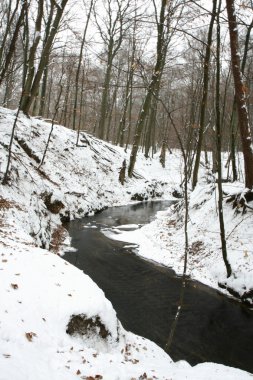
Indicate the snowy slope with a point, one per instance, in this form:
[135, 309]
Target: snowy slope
[39, 291]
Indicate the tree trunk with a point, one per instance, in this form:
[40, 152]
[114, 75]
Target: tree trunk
[13, 42]
[105, 94]
[218, 143]
[45, 71]
[33, 85]
[153, 87]
[240, 96]
[204, 97]
[79, 65]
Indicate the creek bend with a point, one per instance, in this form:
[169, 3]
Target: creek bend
[211, 326]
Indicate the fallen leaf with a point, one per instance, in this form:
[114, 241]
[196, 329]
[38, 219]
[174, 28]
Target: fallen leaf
[30, 335]
[78, 372]
[14, 286]
[7, 356]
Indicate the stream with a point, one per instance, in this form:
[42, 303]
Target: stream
[211, 327]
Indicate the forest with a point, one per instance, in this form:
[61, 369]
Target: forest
[137, 73]
[126, 103]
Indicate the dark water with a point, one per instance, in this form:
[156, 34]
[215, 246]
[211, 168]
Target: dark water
[211, 327]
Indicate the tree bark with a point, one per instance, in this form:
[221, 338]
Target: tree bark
[204, 97]
[240, 96]
[13, 42]
[218, 143]
[79, 65]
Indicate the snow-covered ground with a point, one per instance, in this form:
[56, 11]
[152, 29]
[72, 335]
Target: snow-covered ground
[40, 292]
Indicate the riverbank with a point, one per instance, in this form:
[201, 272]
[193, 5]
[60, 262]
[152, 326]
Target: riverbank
[40, 292]
[163, 241]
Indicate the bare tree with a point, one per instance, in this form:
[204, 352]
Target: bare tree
[240, 95]
[163, 30]
[33, 78]
[80, 63]
[112, 33]
[204, 96]
[9, 55]
[218, 142]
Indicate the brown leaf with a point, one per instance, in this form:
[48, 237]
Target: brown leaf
[14, 286]
[30, 335]
[78, 372]
[98, 377]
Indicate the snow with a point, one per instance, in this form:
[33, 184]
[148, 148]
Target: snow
[40, 291]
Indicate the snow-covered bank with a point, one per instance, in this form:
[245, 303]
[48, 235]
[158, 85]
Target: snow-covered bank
[39, 291]
[163, 240]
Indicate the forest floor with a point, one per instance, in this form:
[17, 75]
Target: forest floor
[40, 292]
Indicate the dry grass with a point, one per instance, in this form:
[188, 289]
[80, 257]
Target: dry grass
[6, 204]
[196, 247]
[57, 239]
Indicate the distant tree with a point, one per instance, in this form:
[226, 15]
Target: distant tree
[112, 30]
[163, 35]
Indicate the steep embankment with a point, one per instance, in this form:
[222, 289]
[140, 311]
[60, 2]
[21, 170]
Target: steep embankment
[72, 182]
